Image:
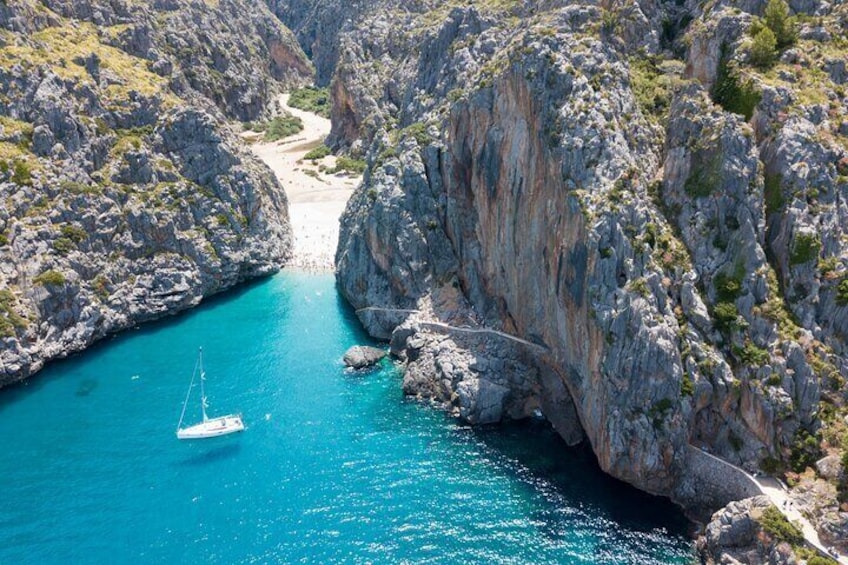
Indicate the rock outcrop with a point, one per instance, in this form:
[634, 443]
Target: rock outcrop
[609, 212]
[736, 535]
[126, 195]
[361, 356]
[317, 25]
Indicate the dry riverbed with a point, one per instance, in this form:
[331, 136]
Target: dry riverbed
[316, 198]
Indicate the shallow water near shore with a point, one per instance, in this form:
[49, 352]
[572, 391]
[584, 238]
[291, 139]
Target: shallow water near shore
[333, 466]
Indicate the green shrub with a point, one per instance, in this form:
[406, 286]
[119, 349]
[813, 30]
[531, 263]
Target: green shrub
[773, 194]
[704, 175]
[783, 26]
[842, 295]
[806, 248]
[687, 387]
[22, 174]
[658, 411]
[651, 87]
[774, 380]
[779, 528]
[764, 49]
[750, 354]
[10, 321]
[805, 451]
[311, 99]
[770, 465]
[74, 233]
[317, 153]
[50, 278]
[640, 286]
[282, 127]
[726, 316]
[346, 164]
[100, 285]
[77, 187]
[819, 560]
[63, 245]
[256, 127]
[385, 155]
[729, 287]
[417, 130]
[731, 93]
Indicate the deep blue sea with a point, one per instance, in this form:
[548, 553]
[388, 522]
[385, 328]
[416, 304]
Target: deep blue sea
[333, 467]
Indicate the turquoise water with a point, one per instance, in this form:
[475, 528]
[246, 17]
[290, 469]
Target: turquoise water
[334, 467]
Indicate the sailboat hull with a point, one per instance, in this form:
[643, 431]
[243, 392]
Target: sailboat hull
[215, 427]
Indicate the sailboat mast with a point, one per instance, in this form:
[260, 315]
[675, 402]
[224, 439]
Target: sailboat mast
[202, 391]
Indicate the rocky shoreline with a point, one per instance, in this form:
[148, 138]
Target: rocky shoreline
[628, 217]
[127, 195]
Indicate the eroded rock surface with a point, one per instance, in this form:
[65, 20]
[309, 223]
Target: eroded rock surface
[627, 237]
[361, 356]
[736, 535]
[126, 195]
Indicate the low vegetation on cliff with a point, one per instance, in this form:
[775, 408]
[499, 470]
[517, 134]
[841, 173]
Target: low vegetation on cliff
[126, 196]
[650, 193]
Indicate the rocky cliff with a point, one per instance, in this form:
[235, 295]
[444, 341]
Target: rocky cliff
[126, 196]
[317, 24]
[652, 221]
[749, 531]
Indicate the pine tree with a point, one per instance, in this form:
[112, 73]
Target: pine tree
[780, 23]
[764, 48]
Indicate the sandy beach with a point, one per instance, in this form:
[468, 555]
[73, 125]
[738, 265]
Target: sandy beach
[316, 199]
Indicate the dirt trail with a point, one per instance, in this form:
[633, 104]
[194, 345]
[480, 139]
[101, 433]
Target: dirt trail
[316, 199]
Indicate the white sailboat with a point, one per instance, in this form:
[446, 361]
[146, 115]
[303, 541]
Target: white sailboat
[209, 427]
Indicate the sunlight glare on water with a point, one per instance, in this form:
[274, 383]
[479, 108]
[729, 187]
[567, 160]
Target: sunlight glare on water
[333, 466]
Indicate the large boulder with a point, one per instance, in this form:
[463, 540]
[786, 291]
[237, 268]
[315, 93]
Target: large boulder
[362, 356]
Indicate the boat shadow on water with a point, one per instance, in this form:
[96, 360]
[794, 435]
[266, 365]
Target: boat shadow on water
[222, 450]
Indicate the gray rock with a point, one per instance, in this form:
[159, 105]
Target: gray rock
[140, 200]
[361, 356]
[515, 183]
[830, 467]
[734, 535]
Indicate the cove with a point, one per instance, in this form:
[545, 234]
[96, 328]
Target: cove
[333, 466]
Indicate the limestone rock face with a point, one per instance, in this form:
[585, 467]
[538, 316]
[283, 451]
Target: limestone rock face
[817, 498]
[521, 183]
[360, 356]
[236, 54]
[495, 210]
[713, 193]
[735, 536]
[127, 197]
[318, 24]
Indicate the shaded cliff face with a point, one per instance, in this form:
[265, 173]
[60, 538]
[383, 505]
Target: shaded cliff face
[126, 196]
[317, 25]
[593, 203]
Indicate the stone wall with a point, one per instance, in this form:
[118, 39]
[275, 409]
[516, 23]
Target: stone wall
[710, 483]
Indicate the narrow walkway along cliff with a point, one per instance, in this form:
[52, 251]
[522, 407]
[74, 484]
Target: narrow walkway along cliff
[651, 194]
[628, 216]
